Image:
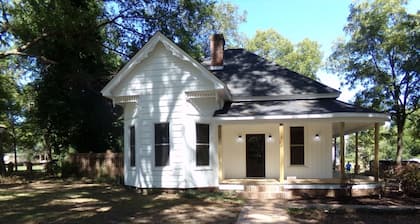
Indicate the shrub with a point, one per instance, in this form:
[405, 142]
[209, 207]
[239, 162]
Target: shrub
[409, 178]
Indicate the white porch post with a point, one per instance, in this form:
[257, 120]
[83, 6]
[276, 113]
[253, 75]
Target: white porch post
[335, 154]
[356, 165]
[376, 165]
[281, 145]
[342, 171]
[220, 152]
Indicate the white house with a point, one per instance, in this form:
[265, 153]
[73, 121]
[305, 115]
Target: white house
[237, 116]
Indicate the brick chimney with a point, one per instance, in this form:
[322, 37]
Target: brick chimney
[217, 45]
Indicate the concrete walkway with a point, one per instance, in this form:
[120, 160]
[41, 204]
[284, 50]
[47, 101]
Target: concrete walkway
[276, 211]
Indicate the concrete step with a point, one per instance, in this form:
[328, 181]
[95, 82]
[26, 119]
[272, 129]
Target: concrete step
[267, 195]
[263, 188]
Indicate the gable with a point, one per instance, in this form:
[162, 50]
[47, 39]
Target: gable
[160, 63]
[162, 72]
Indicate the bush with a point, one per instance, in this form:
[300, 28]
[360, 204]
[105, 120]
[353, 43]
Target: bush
[409, 178]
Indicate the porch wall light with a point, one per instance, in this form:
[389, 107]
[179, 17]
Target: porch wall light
[239, 138]
[270, 137]
[317, 138]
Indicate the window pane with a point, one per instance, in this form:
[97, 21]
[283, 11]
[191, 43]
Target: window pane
[297, 135]
[132, 146]
[297, 155]
[162, 144]
[161, 133]
[202, 155]
[202, 133]
[161, 155]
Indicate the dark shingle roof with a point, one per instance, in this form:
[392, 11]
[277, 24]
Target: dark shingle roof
[247, 74]
[288, 107]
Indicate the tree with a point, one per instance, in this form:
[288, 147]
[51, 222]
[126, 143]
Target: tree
[10, 106]
[226, 20]
[73, 48]
[304, 57]
[382, 54]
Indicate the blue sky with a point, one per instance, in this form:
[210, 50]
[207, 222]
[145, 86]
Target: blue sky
[319, 20]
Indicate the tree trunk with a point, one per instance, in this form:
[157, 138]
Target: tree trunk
[15, 147]
[400, 144]
[2, 166]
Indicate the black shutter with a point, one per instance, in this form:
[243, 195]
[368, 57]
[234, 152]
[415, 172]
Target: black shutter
[132, 146]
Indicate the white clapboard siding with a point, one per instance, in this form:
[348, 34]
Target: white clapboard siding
[160, 82]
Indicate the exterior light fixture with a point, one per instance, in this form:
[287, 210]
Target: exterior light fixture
[270, 137]
[317, 138]
[239, 138]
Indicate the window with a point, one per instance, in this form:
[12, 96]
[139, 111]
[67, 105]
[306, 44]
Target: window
[202, 145]
[132, 146]
[297, 147]
[162, 144]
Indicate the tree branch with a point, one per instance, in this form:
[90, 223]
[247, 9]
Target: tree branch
[115, 50]
[20, 51]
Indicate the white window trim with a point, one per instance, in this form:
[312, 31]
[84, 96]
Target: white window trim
[204, 167]
[305, 162]
[212, 150]
[169, 166]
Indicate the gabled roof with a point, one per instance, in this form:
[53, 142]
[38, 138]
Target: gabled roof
[144, 53]
[251, 77]
[291, 108]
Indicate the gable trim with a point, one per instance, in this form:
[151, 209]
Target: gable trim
[372, 116]
[144, 53]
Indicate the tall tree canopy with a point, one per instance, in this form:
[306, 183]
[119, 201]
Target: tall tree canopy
[381, 53]
[226, 20]
[304, 57]
[70, 49]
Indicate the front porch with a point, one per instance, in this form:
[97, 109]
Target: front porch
[265, 150]
[278, 175]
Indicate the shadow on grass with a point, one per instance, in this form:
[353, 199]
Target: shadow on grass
[343, 216]
[57, 201]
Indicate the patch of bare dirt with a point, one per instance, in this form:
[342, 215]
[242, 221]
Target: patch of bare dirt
[84, 201]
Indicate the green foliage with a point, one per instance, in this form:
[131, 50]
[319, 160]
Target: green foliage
[68, 105]
[366, 144]
[129, 24]
[304, 57]
[226, 20]
[411, 136]
[68, 50]
[381, 53]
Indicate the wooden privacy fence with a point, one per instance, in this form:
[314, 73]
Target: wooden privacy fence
[94, 165]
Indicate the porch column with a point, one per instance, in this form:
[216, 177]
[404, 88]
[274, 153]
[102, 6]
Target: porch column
[281, 144]
[335, 154]
[220, 152]
[356, 165]
[376, 164]
[342, 171]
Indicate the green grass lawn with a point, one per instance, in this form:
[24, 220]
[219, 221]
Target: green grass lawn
[58, 201]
